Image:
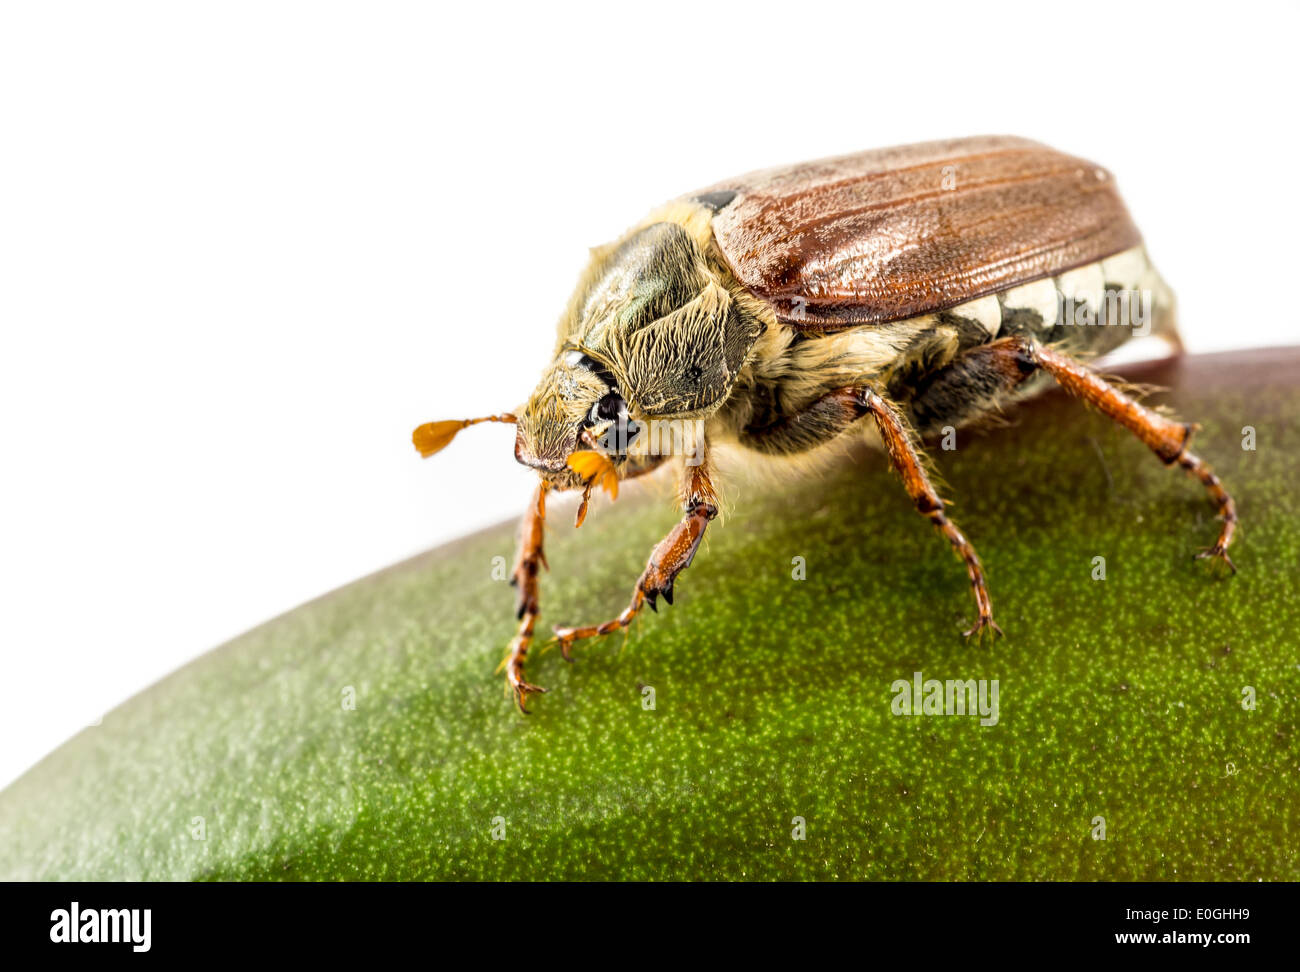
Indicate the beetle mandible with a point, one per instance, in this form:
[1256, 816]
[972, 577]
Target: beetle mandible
[913, 288]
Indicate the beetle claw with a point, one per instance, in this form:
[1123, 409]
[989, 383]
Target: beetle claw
[1217, 552]
[521, 692]
[984, 625]
[513, 664]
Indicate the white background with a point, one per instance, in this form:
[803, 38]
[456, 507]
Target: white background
[246, 247]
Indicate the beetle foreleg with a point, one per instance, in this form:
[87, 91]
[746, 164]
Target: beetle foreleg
[670, 557]
[530, 558]
[903, 453]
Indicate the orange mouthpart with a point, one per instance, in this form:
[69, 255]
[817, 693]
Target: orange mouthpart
[596, 470]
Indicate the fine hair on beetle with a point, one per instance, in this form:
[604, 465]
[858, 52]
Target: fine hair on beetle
[889, 297]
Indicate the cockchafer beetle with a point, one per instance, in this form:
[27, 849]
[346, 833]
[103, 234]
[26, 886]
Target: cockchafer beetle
[920, 287]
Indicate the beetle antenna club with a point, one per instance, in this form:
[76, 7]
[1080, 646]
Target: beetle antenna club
[777, 312]
[433, 437]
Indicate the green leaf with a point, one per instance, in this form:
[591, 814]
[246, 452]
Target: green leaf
[1119, 698]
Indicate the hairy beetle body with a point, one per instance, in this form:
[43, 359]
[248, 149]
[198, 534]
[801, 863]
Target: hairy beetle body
[913, 359]
[904, 291]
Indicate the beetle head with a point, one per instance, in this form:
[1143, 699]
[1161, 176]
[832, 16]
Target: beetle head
[576, 430]
[652, 330]
[577, 407]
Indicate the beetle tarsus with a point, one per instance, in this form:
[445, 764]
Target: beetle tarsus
[566, 637]
[1220, 497]
[514, 665]
[524, 578]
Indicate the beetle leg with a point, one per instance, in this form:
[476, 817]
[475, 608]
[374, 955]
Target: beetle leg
[835, 412]
[669, 558]
[903, 453]
[1014, 359]
[1166, 438]
[524, 579]
[816, 425]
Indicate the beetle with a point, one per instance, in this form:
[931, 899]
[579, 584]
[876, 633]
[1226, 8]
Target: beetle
[908, 290]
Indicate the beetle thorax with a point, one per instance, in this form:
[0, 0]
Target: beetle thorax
[652, 332]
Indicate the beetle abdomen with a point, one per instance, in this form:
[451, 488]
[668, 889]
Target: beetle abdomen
[1096, 307]
[1090, 310]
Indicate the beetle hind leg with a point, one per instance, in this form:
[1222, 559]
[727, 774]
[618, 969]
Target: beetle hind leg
[1002, 366]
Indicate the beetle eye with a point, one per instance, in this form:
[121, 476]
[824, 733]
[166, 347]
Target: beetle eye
[609, 408]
